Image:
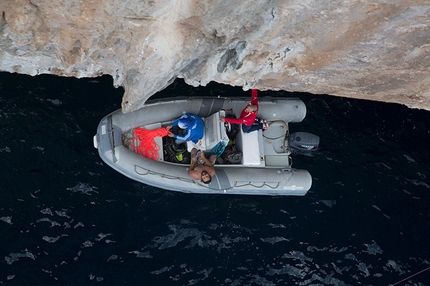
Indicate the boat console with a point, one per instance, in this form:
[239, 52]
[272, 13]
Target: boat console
[215, 132]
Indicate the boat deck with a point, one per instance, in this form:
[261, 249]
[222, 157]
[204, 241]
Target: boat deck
[258, 149]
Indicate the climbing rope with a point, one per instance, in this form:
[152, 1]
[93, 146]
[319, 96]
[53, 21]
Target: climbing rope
[144, 143]
[407, 278]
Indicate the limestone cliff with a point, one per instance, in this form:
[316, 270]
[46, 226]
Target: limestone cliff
[374, 49]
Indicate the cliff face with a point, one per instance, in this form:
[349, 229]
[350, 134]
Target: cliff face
[376, 50]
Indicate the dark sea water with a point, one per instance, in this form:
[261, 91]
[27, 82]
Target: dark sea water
[68, 219]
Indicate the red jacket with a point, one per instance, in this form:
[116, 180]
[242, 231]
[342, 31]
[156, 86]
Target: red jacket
[246, 117]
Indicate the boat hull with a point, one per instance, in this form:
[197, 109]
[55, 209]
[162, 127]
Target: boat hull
[229, 179]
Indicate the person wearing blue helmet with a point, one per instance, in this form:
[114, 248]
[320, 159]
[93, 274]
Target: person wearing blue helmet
[193, 126]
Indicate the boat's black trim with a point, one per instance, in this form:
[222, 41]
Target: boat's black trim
[111, 137]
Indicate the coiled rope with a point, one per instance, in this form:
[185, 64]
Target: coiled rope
[144, 143]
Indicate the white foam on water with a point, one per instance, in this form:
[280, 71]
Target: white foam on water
[391, 264]
[329, 203]
[350, 256]
[45, 219]
[274, 240]
[373, 249]
[55, 101]
[383, 164]
[6, 219]
[277, 225]
[77, 255]
[205, 273]
[178, 235]
[5, 149]
[47, 211]
[141, 254]
[364, 268]
[376, 207]
[112, 257]
[162, 270]
[79, 224]
[407, 192]
[297, 255]
[53, 239]
[340, 270]
[39, 148]
[290, 270]
[418, 183]
[88, 243]
[98, 278]
[83, 188]
[421, 175]
[14, 257]
[101, 236]
[62, 214]
[409, 158]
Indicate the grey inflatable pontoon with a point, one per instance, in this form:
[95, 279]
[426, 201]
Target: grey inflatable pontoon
[265, 156]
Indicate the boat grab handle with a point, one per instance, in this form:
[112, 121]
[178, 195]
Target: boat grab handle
[110, 132]
[250, 184]
[149, 172]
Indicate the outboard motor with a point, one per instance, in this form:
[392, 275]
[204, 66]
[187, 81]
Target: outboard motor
[303, 142]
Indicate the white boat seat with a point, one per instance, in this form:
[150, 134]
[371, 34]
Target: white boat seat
[250, 145]
[215, 132]
[278, 160]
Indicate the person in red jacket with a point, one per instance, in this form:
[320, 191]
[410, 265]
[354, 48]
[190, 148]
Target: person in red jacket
[248, 117]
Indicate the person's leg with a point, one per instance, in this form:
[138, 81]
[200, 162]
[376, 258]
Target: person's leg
[252, 128]
[212, 159]
[246, 128]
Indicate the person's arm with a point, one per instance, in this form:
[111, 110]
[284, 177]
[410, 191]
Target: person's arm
[254, 96]
[208, 165]
[205, 160]
[191, 172]
[184, 137]
[235, 120]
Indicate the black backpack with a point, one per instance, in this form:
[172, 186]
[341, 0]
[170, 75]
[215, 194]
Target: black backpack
[175, 153]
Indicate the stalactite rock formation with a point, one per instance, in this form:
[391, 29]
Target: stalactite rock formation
[374, 50]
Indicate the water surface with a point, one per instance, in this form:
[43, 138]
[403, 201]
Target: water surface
[68, 219]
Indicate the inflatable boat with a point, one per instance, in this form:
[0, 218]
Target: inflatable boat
[255, 163]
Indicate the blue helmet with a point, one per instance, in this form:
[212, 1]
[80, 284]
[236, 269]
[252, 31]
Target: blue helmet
[183, 123]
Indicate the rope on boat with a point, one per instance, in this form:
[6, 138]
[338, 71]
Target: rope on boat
[255, 186]
[407, 278]
[144, 143]
[149, 172]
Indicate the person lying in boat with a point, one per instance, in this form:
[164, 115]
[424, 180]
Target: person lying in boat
[201, 168]
[193, 126]
[248, 117]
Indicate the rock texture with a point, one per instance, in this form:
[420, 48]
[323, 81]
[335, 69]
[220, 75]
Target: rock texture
[376, 50]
